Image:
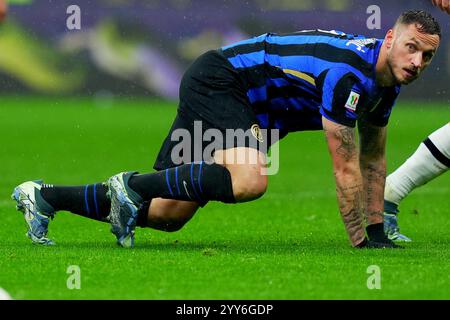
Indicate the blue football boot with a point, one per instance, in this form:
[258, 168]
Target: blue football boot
[35, 209]
[124, 208]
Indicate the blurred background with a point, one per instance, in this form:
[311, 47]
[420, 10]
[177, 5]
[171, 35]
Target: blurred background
[142, 47]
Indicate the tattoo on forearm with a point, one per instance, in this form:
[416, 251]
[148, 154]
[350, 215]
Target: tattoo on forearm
[349, 195]
[375, 215]
[351, 206]
[347, 149]
[374, 180]
[375, 172]
[353, 221]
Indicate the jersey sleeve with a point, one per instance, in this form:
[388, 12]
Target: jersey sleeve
[341, 95]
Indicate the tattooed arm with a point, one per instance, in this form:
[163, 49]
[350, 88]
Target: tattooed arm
[373, 169]
[349, 181]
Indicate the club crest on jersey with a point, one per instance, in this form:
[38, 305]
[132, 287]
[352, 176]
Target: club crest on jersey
[352, 101]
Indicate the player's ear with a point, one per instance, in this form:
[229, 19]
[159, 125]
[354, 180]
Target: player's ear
[389, 38]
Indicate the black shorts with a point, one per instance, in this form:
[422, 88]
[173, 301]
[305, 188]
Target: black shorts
[213, 102]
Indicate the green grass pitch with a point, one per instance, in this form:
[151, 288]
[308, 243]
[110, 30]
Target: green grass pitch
[290, 244]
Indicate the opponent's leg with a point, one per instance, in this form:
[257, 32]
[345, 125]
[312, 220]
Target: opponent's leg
[431, 159]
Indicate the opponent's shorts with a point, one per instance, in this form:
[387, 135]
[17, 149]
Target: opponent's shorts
[214, 113]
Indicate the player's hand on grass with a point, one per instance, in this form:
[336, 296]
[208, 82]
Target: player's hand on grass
[377, 238]
[376, 233]
[368, 244]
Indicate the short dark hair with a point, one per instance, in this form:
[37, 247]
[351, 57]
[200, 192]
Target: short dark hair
[424, 21]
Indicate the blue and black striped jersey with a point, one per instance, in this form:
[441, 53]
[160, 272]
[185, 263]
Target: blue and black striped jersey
[292, 80]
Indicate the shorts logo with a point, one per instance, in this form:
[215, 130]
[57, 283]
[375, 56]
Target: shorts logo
[256, 132]
[352, 101]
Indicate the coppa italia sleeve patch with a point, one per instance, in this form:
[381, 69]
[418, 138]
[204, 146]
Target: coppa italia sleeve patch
[352, 101]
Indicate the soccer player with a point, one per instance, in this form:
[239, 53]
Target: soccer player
[308, 80]
[430, 160]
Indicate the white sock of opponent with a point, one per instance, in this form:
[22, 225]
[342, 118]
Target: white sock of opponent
[430, 160]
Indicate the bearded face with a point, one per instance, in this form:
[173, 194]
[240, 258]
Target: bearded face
[409, 52]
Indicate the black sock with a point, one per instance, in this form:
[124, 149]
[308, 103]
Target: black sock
[88, 201]
[197, 181]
